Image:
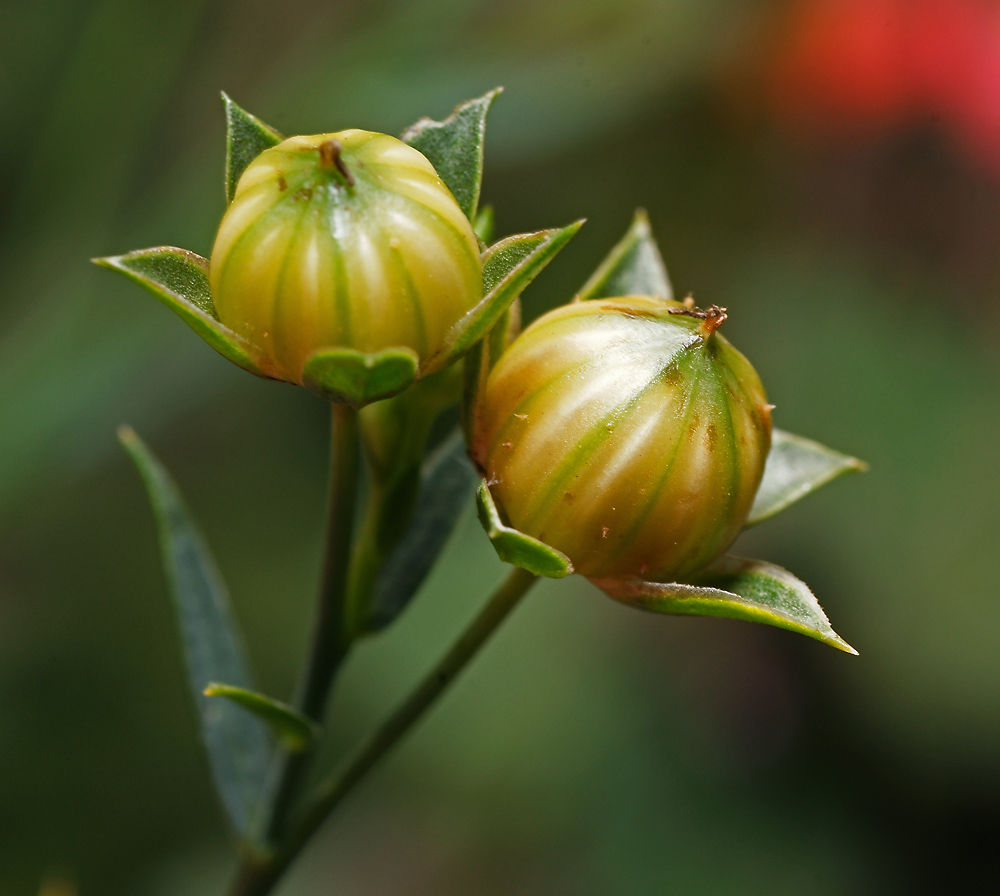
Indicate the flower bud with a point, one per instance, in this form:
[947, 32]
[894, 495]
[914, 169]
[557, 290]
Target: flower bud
[346, 240]
[627, 434]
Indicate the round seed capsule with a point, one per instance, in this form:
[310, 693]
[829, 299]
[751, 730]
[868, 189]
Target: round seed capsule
[626, 433]
[345, 240]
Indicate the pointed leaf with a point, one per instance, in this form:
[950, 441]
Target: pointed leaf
[346, 376]
[795, 468]
[515, 547]
[296, 732]
[483, 225]
[246, 138]
[479, 361]
[633, 268]
[455, 148]
[735, 589]
[238, 746]
[447, 483]
[508, 267]
[179, 279]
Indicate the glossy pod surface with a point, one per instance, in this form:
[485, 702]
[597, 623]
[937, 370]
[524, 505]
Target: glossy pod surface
[629, 438]
[345, 240]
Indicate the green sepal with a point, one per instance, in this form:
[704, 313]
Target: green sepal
[455, 148]
[483, 225]
[480, 360]
[238, 746]
[446, 484]
[294, 731]
[508, 267]
[354, 378]
[515, 547]
[179, 279]
[734, 588]
[796, 467]
[246, 138]
[633, 268]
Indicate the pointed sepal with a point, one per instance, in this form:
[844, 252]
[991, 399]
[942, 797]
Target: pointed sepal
[455, 148]
[347, 376]
[296, 732]
[515, 547]
[246, 138]
[478, 363]
[508, 267]
[796, 467]
[239, 749]
[483, 225]
[179, 279]
[734, 588]
[633, 268]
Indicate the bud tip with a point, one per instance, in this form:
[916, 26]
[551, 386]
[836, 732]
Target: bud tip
[711, 319]
[329, 157]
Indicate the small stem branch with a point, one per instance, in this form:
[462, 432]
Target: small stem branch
[411, 710]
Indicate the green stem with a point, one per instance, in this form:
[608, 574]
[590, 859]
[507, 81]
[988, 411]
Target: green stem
[358, 764]
[330, 640]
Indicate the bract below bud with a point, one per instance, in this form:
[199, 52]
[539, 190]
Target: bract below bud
[627, 434]
[347, 240]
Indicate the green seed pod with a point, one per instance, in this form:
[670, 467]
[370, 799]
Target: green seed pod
[627, 434]
[346, 240]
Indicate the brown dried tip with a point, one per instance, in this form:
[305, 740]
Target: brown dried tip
[711, 319]
[329, 157]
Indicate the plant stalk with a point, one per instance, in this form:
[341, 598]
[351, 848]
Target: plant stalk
[411, 710]
[330, 640]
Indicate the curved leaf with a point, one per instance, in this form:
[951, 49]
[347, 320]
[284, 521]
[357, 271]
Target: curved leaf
[515, 547]
[179, 279]
[480, 360]
[483, 225]
[355, 378]
[633, 268]
[238, 746]
[455, 148]
[447, 481]
[295, 731]
[735, 589]
[795, 468]
[508, 267]
[246, 138]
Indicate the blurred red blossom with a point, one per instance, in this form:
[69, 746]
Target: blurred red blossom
[856, 66]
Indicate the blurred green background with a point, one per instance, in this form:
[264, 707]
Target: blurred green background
[830, 171]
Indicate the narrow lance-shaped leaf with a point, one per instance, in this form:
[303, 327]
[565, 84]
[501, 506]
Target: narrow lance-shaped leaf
[508, 267]
[795, 468]
[447, 484]
[516, 548]
[246, 138]
[479, 361]
[179, 279]
[483, 225]
[295, 731]
[239, 748]
[734, 588]
[633, 268]
[455, 148]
